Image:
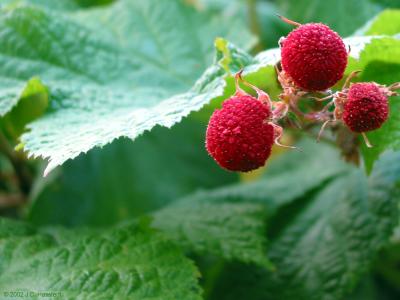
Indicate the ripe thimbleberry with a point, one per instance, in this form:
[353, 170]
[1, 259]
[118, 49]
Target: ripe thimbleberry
[241, 134]
[313, 56]
[366, 107]
[238, 136]
[363, 107]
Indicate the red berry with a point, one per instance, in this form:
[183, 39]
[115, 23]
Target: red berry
[366, 107]
[314, 57]
[238, 135]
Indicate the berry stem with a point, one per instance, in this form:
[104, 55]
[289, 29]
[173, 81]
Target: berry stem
[322, 99]
[321, 131]
[239, 91]
[288, 21]
[367, 142]
[278, 131]
[349, 78]
[393, 87]
[262, 96]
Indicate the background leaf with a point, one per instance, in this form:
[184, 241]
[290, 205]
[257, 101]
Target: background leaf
[63, 5]
[231, 231]
[329, 241]
[350, 14]
[129, 261]
[128, 179]
[289, 177]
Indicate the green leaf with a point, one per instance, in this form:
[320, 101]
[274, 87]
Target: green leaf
[231, 231]
[11, 95]
[10, 228]
[344, 16]
[142, 21]
[387, 22]
[32, 103]
[126, 262]
[329, 242]
[100, 90]
[366, 290]
[127, 179]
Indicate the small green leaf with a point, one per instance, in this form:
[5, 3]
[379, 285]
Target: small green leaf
[32, 103]
[387, 22]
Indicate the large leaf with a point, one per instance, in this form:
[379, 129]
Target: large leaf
[100, 90]
[232, 231]
[328, 242]
[127, 262]
[128, 179]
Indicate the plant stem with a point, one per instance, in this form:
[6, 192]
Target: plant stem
[11, 200]
[19, 164]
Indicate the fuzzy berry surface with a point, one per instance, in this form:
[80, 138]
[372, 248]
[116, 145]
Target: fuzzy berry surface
[238, 136]
[366, 107]
[314, 56]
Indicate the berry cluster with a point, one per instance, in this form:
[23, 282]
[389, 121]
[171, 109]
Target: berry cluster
[241, 134]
